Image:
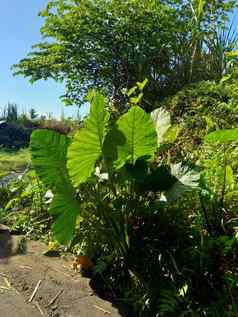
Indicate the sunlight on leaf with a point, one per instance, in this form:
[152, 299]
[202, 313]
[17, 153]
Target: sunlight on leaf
[129, 140]
[222, 136]
[162, 121]
[86, 147]
[49, 150]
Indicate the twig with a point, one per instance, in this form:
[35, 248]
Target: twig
[25, 267]
[54, 298]
[103, 310]
[35, 290]
[39, 308]
[42, 221]
[7, 282]
[8, 286]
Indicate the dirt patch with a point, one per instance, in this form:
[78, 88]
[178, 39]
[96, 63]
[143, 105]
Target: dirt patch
[60, 293]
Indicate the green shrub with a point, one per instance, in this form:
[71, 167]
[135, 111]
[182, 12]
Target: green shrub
[107, 183]
[14, 136]
[199, 109]
[25, 206]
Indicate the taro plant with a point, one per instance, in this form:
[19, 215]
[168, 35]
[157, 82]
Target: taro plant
[110, 183]
[115, 160]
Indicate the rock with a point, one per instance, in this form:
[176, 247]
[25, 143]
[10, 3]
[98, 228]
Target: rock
[5, 242]
[10, 245]
[4, 229]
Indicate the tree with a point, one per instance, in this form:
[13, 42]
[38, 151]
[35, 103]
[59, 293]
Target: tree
[116, 43]
[33, 114]
[10, 113]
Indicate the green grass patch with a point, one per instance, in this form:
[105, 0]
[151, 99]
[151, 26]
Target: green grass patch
[13, 161]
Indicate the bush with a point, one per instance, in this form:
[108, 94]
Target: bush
[25, 206]
[14, 136]
[130, 214]
[199, 109]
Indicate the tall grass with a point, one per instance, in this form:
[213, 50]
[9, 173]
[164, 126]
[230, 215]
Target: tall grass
[11, 161]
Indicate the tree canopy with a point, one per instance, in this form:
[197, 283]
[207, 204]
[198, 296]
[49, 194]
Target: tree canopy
[116, 43]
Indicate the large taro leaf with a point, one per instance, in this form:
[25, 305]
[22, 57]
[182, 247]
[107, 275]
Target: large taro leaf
[86, 147]
[65, 208]
[132, 137]
[166, 132]
[186, 180]
[222, 136]
[159, 179]
[138, 171]
[49, 150]
[162, 121]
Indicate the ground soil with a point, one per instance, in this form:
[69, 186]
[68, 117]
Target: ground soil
[20, 274]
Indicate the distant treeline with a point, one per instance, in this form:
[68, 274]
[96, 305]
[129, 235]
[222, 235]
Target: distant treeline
[16, 127]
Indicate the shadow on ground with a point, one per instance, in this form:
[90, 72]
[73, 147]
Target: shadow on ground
[57, 290]
[98, 286]
[9, 246]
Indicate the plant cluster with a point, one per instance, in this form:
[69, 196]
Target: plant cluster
[24, 204]
[121, 201]
[199, 109]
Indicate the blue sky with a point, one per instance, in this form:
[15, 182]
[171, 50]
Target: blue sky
[19, 30]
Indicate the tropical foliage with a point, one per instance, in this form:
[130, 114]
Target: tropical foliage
[146, 185]
[113, 178]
